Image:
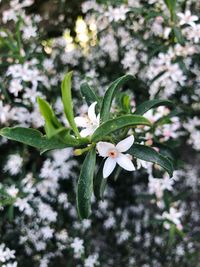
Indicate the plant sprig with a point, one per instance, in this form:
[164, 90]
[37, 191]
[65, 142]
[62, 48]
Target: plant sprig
[102, 127]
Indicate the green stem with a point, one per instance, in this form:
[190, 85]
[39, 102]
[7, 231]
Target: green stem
[79, 151]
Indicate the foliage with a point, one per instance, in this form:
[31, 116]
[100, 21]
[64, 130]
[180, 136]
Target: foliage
[150, 49]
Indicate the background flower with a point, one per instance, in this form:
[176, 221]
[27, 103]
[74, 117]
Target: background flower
[40, 41]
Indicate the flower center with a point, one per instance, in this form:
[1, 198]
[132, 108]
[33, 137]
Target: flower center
[113, 153]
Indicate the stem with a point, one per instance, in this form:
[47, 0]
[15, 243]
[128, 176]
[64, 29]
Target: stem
[19, 42]
[78, 152]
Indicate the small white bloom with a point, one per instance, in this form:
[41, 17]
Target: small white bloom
[29, 31]
[89, 122]
[4, 112]
[91, 261]
[15, 87]
[143, 164]
[174, 216]
[187, 18]
[14, 164]
[116, 14]
[77, 245]
[12, 191]
[115, 156]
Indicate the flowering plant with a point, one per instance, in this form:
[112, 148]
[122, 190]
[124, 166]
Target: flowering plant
[110, 133]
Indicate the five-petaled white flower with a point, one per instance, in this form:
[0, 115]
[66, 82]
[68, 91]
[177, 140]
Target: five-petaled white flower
[114, 155]
[90, 122]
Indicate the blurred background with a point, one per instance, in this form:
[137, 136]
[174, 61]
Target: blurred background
[146, 219]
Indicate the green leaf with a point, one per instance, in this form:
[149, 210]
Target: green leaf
[178, 34]
[110, 94]
[5, 199]
[88, 94]
[172, 235]
[171, 4]
[149, 154]
[99, 182]
[85, 185]
[35, 139]
[118, 123]
[10, 213]
[147, 105]
[67, 102]
[126, 103]
[52, 125]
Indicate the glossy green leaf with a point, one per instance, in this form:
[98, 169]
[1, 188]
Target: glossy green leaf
[99, 182]
[147, 105]
[52, 125]
[118, 123]
[149, 154]
[35, 139]
[85, 185]
[110, 94]
[67, 102]
[88, 94]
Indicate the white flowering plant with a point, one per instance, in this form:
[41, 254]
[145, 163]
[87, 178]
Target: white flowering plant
[142, 210]
[111, 135]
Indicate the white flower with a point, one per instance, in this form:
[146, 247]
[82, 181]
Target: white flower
[5, 253]
[77, 245]
[29, 31]
[89, 122]
[143, 164]
[109, 223]
[14, 164]
[187, 18]
[47, 232]
[115, 156]
[15, 87]
[22, 204]
[123, 236]
[174, 216]
[8, 15]
[116, 14]
[4, 112]
[91, 261]
[12, 191]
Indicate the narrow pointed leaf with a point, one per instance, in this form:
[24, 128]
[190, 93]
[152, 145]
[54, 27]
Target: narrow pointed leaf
[149, 154]
[99, 182]
[171, 4]
[147, 105]
[118, 123]
[89, 94]
[85, 185]
[110, 94]
[35, 139]
[67, 102]
[52, 125]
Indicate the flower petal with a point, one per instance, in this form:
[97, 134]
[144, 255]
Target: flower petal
[81, 121]
[103, 148]
[86, 132]
[108, 167]
[125, 144]
[98, 119]
[91, 112]
[125, 162]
